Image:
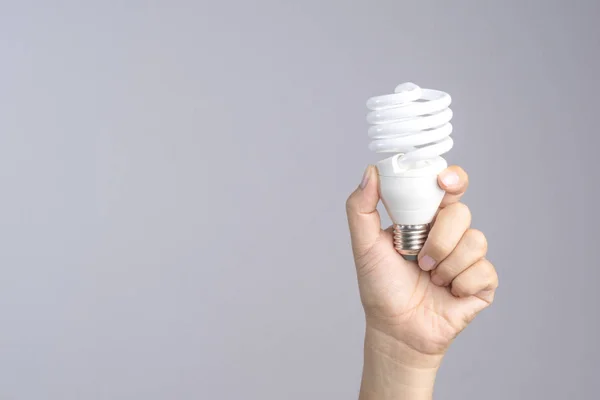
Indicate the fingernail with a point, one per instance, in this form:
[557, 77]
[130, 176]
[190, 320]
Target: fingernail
[450, 178]
[437, 280]
[365, 178]
[426, 263]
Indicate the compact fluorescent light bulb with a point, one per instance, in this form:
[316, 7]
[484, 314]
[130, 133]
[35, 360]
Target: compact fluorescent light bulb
[414, 125]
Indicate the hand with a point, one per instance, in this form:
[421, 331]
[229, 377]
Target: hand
[414, 311]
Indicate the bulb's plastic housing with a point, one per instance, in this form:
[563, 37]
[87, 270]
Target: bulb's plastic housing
[411, 195]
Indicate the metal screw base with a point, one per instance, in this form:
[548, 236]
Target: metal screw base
[409, 239]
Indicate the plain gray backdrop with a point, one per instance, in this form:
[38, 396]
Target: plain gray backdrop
[173, 177]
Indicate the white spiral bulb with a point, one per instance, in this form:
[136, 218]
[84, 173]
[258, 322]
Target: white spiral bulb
[413, 121]
[414, 124]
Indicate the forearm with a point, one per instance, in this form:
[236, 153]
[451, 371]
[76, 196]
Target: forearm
[393, 371]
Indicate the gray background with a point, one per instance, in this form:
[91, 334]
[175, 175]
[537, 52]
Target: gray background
[173, 177]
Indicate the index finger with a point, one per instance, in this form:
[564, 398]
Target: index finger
[454, 180]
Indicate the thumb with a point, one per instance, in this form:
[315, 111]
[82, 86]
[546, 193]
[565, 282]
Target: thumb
[363, 218]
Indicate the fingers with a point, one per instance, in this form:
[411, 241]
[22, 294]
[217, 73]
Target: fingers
[361, 209]
[454, 180]
[450, 225]
[480, 278]
[471, 248]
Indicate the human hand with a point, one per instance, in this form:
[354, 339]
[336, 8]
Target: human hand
[414, 310]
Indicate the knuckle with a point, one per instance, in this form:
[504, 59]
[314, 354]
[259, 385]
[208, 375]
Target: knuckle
[447, 272]
[493, 277]
[441, 273]
[477, 240]
[488, 274]
[456, 211]
[449, 199]
[461, 210]
[490, 271]
[439, 248]
[459, 288]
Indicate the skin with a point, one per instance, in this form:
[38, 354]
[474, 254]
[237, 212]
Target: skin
[414, 310]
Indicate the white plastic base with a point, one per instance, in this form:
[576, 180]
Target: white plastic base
[411, 196]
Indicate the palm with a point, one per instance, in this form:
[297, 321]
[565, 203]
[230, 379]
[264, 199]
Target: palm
[400, 298]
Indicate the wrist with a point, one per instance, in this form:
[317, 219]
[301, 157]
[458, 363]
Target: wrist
[380, 340]
[393, 370]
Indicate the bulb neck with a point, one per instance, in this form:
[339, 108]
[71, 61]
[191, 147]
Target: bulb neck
[409, 240]
[394, 167]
